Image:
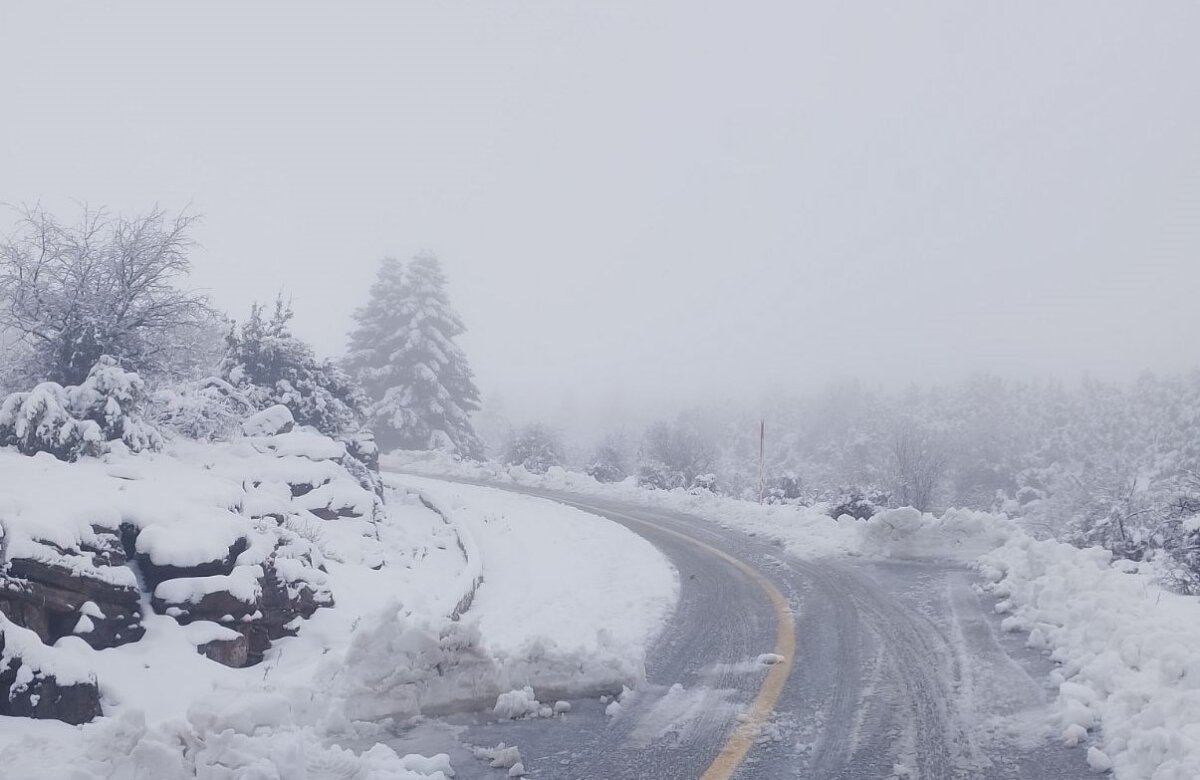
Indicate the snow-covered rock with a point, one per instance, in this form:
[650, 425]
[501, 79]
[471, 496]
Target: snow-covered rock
[271, 421]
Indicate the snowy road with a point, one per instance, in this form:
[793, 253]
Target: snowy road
[899, 670]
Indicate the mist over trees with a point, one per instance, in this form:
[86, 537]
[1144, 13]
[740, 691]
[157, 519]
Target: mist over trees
[536, 447]
[104, 341]
[1096, 463]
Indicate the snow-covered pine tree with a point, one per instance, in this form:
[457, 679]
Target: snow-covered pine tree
[269, 365]
[402, 351]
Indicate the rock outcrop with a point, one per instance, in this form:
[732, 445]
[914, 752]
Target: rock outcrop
[30, 692]
[89, 593]
[257, 602]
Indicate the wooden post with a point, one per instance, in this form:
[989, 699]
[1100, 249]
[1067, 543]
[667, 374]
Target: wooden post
[762, 456]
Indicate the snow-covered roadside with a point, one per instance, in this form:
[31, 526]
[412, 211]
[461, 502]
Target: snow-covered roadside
[1125, 645]
[169, 711]
[1129, 652]
[565, 604]
[803, 531]
[569, 602]
[431, 602]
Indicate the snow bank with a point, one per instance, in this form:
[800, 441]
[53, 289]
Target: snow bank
[569, 603]
[1128, 650]
[804, 531]
[958, 534]
[403, 666]
[256, 738]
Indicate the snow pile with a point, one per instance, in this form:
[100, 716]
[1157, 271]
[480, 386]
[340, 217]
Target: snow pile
[258, 737]
[521, 703]
[404, 666]
[1128, 651]
[569, 602]
[958, 534]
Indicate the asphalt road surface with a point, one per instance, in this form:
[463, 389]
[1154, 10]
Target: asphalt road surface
[899, 670]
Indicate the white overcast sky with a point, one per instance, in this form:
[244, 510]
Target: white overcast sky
[650, 199]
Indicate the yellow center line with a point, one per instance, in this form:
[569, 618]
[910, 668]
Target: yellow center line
[742, 739]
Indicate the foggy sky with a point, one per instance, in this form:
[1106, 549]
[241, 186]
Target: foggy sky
[651, 201]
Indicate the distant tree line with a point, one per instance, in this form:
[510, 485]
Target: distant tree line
[1096, 463]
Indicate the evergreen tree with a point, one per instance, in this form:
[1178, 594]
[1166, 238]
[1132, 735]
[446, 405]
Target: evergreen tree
[421, 390]
[269, 365]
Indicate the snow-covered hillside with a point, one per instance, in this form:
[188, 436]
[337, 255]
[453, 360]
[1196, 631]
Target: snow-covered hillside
[236, 609]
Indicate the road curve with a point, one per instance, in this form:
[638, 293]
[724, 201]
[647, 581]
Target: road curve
[896, 670]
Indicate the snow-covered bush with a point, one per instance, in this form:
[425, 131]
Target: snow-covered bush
[70, 422]
[208, 410]
[609, 462]
[113, 399]
[784, 488]
[858, 503]
[674, 456]
[40, 421]
[268, 365]
[658, 476]
[536, 447]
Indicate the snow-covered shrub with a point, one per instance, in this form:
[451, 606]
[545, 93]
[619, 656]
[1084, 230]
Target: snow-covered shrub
[40, 421]
[609, 463]
[673, 456]
[658, 476]
[536, 447]
[268, 365]
[784, 489]
[362, 447]
[113, 398]
[69, 422]
[208, 410]
[858, 503]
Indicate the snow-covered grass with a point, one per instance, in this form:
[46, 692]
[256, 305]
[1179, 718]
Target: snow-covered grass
[1126, 647]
